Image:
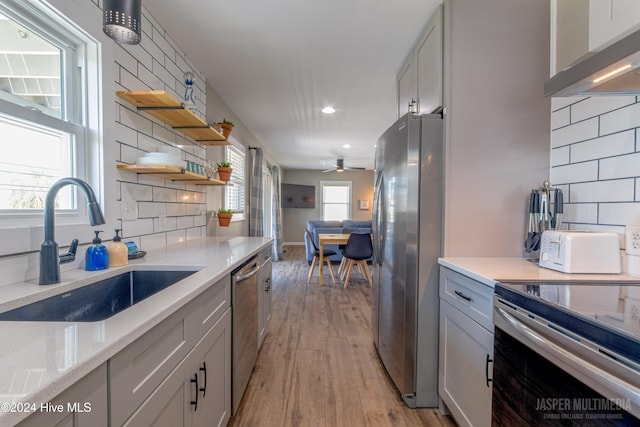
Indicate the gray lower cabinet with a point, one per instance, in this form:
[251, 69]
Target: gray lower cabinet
[198, 391]
[83, 405]
[465, 349]
[264, 293]
[151, 378]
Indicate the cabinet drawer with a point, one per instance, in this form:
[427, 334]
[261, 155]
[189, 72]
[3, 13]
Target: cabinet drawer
[209, 306]
[467, 295]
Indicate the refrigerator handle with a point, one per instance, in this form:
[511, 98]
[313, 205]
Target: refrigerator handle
[378, 197]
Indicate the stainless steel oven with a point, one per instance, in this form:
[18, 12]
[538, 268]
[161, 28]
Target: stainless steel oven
[566, 354]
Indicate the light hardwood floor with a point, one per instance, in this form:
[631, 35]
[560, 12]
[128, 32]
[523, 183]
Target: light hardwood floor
[318, 365]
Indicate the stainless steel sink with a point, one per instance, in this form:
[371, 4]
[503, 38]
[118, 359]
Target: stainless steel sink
[99, 300]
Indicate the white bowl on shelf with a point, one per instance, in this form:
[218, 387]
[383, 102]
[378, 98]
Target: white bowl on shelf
[144, 160]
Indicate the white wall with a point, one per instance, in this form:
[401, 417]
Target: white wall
[497, 121]
[595, 159]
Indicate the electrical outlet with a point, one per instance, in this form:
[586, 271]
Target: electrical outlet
[632, 239]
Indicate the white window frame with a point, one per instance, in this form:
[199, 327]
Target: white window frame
[82, 20]
[238, 179]
[74, 46]
[348, 184]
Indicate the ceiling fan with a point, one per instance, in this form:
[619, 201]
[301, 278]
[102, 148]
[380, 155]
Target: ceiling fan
[339, 167]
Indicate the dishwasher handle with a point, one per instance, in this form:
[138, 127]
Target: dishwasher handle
[241, 275]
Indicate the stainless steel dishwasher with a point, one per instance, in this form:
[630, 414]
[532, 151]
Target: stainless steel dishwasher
[244, 308]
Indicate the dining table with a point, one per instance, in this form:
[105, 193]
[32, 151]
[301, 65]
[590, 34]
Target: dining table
[329, 239]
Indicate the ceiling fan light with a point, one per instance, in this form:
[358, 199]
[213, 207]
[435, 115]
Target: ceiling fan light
[122, 20]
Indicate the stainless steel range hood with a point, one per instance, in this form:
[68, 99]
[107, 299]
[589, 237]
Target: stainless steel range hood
[615, 70]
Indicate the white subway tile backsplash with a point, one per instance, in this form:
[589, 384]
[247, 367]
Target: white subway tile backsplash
[130, 154]
[161, 133]
[136, 191]
[184, 222]
[620, 166]
[619, 213]
[135, 121]
[164, 195]
[164, 223]
[560, 118]
[146, 76]
[619, 120]
[200, 220]
[148, 144]
[560, 156]
[185, 196]
[175, 209]
[577, 132]
[606, 146]
[151, 209]
[621, 190]
[126, 135]
[165, 76]
[578, 172]
[139, 227]
[581, 213]
[592, 107]
[558, 103]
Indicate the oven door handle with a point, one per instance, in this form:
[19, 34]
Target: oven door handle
[593, 376]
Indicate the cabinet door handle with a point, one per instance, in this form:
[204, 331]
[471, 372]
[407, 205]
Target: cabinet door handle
[195, 380]
[204, 369]
[267, 287]
[486, 370]
[463, 296]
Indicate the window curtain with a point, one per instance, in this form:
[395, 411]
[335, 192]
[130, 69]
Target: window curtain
[276, 212]
[257, 205]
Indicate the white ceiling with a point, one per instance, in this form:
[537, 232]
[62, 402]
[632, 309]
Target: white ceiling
[277, 63]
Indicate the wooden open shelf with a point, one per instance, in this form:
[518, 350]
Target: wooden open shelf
[172, 172]
[161, 105]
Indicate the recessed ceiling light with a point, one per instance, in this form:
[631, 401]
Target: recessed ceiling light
[328, 110]
[346, 146]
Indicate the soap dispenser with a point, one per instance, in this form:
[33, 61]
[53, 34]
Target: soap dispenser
[118, 251]
[97, 256]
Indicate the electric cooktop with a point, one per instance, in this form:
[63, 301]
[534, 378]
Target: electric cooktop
[607, 313]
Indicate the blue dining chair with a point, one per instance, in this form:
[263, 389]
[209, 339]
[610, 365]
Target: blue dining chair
[316, 257]
[359, 248]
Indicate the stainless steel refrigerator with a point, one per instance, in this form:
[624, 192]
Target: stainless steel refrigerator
[407, 230]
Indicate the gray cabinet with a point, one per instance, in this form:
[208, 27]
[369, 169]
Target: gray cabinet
[264, 293]
[151, 376]
[198, 391]
[580, 28]
[465, 349]
[83, 405]
[419, 82]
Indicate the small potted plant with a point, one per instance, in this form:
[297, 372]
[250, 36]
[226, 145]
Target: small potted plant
[224, 171]
[224, 217]
[226, 127]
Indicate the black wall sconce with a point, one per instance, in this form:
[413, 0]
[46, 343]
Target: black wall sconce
[122, 20]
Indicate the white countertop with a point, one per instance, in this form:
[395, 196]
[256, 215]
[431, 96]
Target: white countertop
[39, 360]
[490, 270]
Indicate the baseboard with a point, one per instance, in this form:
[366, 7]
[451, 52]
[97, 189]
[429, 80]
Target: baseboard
[294, 243]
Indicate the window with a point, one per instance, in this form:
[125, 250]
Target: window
[43, 114]
[336, 200]
[234, 195]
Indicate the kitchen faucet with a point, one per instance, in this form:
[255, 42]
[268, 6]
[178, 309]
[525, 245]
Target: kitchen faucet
[49, 257]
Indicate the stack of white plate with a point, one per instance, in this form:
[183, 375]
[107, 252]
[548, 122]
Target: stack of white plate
[167, 159]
